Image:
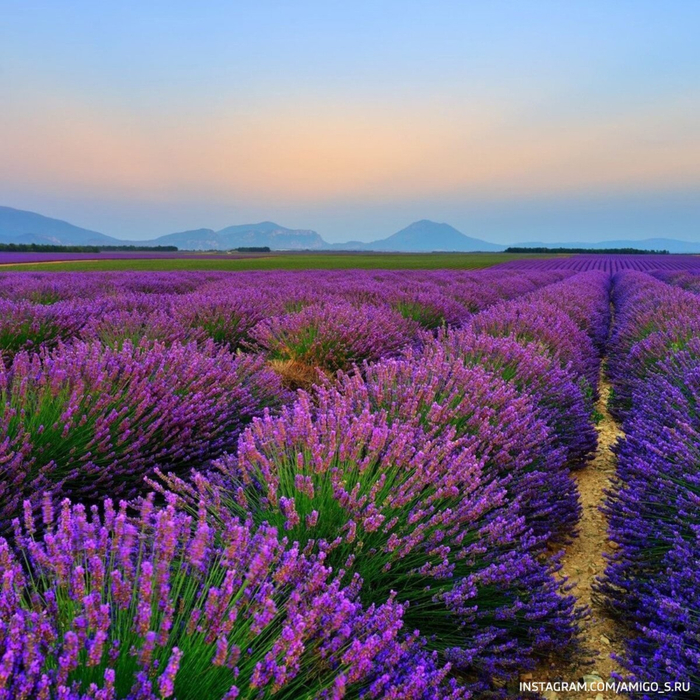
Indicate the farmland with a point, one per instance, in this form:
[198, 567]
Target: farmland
[74, 262]
[225, 480]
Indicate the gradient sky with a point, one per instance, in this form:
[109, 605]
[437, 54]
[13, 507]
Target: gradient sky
[512, 120]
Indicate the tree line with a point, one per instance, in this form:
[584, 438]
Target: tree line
[597, 251]
[55, 248]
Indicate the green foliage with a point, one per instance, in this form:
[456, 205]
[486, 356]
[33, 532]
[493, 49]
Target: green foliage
[292, 261]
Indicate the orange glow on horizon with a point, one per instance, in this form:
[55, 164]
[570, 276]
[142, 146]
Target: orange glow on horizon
[308, 152]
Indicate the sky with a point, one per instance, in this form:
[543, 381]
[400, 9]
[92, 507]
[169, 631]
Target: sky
[512, 120]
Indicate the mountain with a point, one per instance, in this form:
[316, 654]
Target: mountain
[266, 233]
[17, 226]
[272, 235]
[426, 236]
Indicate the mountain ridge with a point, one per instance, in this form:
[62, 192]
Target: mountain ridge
[426, 236]
[21, 226]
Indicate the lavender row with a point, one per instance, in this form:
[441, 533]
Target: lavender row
[49, 287]
[606, 263]
[87, 420]
[569, 319]
[685, 279]
[653, 580]
[437, 477]
[306, 317]
[651, 318]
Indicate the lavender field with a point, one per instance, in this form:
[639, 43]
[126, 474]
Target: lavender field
[372, 484]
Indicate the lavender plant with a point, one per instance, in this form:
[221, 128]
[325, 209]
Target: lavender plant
[28, 326]
[114, 328]
[381, 499]
[446, 398]
[227, 317]
[334, 336]
[107, 607]
[585, 298]
[429, 308]
[91, 420]
[534, 321]
[652, 319]
[557, 398]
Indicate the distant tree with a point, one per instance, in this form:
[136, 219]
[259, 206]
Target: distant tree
[53, 248]
[597, 251]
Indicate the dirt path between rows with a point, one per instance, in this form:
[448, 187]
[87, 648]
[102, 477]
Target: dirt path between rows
[583, 561]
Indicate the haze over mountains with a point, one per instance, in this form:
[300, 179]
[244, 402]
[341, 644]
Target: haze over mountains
[18, 226]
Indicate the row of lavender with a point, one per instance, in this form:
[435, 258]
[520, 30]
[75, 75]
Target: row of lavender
[686, 279]
[608, 263]
[320, 317]
[387, 528]
[15, 258]
[133, 371]
[653, 581]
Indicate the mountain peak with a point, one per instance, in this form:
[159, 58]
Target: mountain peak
[427, 222]
[426, 235]
[20, 226]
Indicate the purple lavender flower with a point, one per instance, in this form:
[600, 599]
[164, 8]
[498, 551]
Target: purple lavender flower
[557, 398]
[93, 420]
[334, 336]
[447, 399]
[319, 641]
[533, 321]
[422, 515]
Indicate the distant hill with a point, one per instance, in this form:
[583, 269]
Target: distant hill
[426, 236]
[263, 234]
[17, 226]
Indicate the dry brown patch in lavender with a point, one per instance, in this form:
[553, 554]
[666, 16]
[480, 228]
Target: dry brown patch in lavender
[297, 375]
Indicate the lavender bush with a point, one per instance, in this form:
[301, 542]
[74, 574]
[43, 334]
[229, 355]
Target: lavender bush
[534, 321]
[585, 298]
[448, 399]
[114, 328]
[381, 499]
[28, 326]
[429, 308]
[165, 606]
[652, 318]
[334, 336]
[91, 420]
[227, 317]
[686, 279]
[557, 398]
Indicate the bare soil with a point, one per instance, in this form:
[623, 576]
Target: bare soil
[583, 561]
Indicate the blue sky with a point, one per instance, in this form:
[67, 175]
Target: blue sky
[511, 120]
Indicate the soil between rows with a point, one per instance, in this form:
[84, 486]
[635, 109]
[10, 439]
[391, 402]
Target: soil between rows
[583, 560]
